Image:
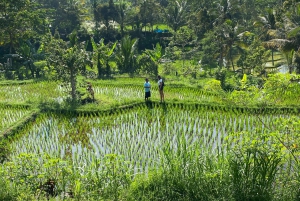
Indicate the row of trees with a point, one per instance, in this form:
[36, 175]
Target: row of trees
[70, 58]
[222, 33]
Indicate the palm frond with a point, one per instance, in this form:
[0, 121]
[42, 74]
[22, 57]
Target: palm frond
[274, 33]
[276, 43]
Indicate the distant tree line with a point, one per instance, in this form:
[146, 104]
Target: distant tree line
[230, 34]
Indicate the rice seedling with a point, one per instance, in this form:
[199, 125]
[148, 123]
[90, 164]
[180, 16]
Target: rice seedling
[10, 115]
[138, 135]
[32, 92]
[134, 141]
[110, 93]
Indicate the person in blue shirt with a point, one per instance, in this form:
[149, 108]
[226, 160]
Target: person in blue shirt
[147, 87]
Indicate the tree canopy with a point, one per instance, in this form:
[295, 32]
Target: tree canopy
[218, 33]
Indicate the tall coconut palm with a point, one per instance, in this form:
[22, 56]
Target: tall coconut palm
[289, 45]
[176, 14]
[121, 9]
[269, 29]
[227, 25]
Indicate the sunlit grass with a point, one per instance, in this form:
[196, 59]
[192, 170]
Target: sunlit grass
[32, 92]
[108, 93]
[11, 115]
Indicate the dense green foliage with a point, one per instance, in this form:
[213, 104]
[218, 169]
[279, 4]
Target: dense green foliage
[74, 124]
[208, 33]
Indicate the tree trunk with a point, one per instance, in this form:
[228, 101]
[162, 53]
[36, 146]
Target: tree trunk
[73, 84]
[272, 57]
[221, 58]
[99, 66]
[38, 73]
[183, 58]
[122, 29]
[31, 69]
[230, 52]
[10, 43]
[107, 69]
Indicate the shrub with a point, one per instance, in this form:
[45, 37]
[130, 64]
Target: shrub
[7, 193]
[213, 85]
[282, 89]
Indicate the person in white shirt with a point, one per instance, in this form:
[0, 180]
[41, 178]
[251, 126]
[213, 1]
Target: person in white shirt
[147, 87]
[161, 88]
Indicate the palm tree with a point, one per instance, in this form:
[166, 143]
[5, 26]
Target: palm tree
[126, 58]
[227, 24]
[176, 14]
[29, 55]
[289, 44]
[102, 54]
[268, 29]
[155, 56]
[121, 9]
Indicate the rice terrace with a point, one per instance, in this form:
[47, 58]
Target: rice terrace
[197, 145]
[150, 100]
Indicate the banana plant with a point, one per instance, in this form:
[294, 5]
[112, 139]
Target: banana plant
[24, 59]
[155, 54]
[126, 58]
[102, 54]
[29, 55]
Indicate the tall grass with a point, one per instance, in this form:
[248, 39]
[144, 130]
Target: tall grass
[186, 174]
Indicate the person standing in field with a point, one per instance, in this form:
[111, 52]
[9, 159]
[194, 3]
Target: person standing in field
[161, 88]
[91, 90]
[147, 87]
